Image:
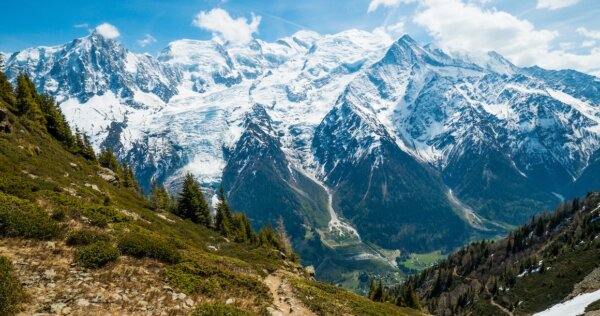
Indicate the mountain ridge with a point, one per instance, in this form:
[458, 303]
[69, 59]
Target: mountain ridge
[468, 126]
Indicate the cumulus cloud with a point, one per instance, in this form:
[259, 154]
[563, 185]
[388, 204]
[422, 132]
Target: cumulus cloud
[147, 40]
[375, 4]
[461, 26]
[555, 4]
[107, 31]
[588, 44]
[221, 24]
[588, 33]
[466, 27]
[392, 31]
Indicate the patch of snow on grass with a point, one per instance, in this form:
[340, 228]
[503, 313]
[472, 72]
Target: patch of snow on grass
[575, 306]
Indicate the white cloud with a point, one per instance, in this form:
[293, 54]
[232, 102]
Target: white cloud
[81, 26]
[555, 4]
[588, 44]
[107, 31]
[467, 27]
[221, 24]
[393, 31]
[462, 27]
[147, 40]
[588, 33]
[375, 4]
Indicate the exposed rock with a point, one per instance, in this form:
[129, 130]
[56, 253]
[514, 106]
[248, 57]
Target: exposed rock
[50, 274]
[93, 186]
[165, 218]
[274, 312]
[108, 175]
[179, 296]
[229, 301]
[129, 213]
[310, 270]
[56, 308]
[83, 302]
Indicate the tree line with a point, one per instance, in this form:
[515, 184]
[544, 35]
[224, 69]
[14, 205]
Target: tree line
[37, 110]
[191, 204]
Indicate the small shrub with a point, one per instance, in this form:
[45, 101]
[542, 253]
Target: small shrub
[58, 216]
[101, 216]
[85, 237]
[96, 255]
[10, 288]
[142, 245]
[217, 309]
[214, 280]
[19, 218]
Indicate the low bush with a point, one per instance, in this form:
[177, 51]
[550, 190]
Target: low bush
[101, 216]
[10, 288]
[217, 309]
[85, 237]
[96, 255]
[19, 218]
[215, 281]
[143, 245]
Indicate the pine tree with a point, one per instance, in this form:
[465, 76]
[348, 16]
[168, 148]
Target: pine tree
[372, 289]
[223, 218]
[239, 228]
[6, 91]
[129, 180]
[160, 197]
[127, 176]
[87, 151]
[191, 204]
[250, 234]
[108, 160]
[56, 124]
[155, 198]
[267, 237]
[379, 294]
[27, 100]
[411, 298]
[78, 140]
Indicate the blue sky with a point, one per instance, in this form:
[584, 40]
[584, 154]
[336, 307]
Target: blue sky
[560, 33]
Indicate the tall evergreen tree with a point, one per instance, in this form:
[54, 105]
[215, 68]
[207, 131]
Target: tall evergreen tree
[6, 91]
[160, 197]
[129, 180]
[407, 297]
[242, 229]
[87, 151]
[268, 237]
[224, 217]
[372, 289]
[56, 124]
[27, 100]
[379, 294]
[108, 160]
[191, 203]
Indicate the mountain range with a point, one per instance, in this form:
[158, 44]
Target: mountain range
[362, 145]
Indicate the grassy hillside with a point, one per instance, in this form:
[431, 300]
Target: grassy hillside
[553, 257]
[76, 238]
